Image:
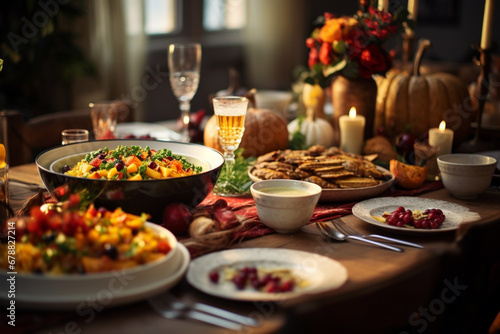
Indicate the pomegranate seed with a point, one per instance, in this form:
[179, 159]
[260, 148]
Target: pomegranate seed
[272, 287]
[287, 286]
[102, 210]
[254, 282]
[214, 276]
[65, 168]
[266, 279]
[153, 165]
[110, 251]
[408, 219]
[239, 281]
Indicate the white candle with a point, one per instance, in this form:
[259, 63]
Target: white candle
[489, 10]
[383, 5]
[352, 128]
[442, 138]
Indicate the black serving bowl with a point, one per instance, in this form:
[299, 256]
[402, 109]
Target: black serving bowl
[148, 196]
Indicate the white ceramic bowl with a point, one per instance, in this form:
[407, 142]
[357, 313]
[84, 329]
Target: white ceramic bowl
[276, 100]
[285, 213]
[70, 292]
[466, 176]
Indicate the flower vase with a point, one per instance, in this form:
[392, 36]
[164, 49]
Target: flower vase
[358, 93]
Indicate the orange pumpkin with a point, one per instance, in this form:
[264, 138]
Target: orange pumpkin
[265, 131]
[408, 176]
[422, 102]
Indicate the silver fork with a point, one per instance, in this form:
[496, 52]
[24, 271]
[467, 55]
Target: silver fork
[163, 307]
[341, 225]
[333, 233]
[212, 310]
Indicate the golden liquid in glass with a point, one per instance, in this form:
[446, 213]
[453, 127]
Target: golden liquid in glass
[231, 130]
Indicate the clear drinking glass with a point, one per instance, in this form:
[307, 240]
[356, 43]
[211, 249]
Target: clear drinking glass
[104, 118]
[230, 113]
[5, 210]
[70, 136]
[184, 61]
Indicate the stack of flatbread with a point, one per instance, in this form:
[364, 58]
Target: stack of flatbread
[329, 168]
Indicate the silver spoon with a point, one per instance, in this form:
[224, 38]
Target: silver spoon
[336, 235]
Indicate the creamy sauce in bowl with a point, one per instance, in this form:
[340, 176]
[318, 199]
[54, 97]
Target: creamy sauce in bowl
[285, 191]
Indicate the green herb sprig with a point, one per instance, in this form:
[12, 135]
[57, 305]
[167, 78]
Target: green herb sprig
[298, 141]
[238, 182]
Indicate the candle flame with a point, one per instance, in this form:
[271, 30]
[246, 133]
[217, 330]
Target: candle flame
[442, 126]
[352, 112]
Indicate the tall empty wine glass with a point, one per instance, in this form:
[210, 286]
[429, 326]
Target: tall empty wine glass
[184, 61]
[230, 113]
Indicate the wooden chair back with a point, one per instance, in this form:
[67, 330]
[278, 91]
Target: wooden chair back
[24, 140]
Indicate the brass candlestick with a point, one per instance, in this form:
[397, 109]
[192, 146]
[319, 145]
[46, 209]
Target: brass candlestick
[482, 89]
[408, 48]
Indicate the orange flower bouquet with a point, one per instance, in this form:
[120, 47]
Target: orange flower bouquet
[353, 46]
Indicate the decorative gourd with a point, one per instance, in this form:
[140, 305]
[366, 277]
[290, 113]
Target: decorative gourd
[416, 103]
[408, 176]
[314, 96]
[317, 131]
[265, 131]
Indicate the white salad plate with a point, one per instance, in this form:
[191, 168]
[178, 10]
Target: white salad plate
[320, 273]
[138, 129]
[455, 214]
[106, 289]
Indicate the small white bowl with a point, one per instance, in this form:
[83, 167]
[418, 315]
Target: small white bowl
[466, 176]
[285, 211]
[276, 100]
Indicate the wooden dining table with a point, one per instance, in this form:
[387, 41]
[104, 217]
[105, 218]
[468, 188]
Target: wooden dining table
[451, 285]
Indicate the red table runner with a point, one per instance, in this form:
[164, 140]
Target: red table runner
[253, 227]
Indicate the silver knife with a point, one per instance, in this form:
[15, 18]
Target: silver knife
[402, 242]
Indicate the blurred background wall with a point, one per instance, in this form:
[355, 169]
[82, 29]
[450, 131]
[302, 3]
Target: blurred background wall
[104, 49]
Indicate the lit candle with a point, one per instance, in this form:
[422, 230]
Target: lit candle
[442, 138]
[413, 9]
[352, 128]
[412, 14]
[383, 5]
[489, 10]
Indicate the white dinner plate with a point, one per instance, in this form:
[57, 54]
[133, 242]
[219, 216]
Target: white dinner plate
[138, 129]
[455, 214]
[350, 194]
[42, 292]
[321, 273]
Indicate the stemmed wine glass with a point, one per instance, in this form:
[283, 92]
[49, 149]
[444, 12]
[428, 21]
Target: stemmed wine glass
[184, 61]
[230, 113]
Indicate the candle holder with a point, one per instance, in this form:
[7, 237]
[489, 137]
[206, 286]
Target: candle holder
[482, 88]
[408, 48]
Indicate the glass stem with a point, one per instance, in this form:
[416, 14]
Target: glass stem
[229, 162]
[185, 107]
